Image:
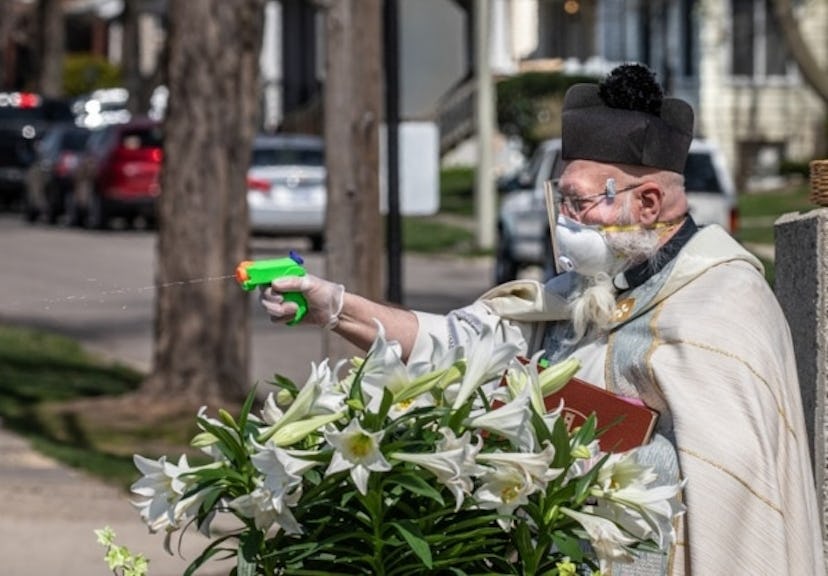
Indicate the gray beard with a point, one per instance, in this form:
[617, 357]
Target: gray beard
[593, 303]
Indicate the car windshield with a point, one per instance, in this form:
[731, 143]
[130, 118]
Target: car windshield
[134, 139]
[75, 140]
[288, 157]
[700, 174]
[48, 111]
[8, 113]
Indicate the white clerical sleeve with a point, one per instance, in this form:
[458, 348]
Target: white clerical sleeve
[459, 326]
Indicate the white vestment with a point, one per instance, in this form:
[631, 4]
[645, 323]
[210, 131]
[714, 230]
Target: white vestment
[706, 344]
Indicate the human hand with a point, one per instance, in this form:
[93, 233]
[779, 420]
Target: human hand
[324, 299]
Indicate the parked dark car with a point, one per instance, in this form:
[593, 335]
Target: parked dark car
[24, 119]
[51, 177]
[118, 175]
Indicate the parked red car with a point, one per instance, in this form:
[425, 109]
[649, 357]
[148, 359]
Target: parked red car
[118, 175]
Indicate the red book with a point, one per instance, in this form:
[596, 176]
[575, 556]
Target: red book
[625, 423]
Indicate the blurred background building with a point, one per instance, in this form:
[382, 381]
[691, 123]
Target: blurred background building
[726, 57]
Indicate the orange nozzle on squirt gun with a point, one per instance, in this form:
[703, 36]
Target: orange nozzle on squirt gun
[252, 273]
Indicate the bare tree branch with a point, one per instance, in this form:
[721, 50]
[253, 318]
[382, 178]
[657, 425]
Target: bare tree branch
[815, 76]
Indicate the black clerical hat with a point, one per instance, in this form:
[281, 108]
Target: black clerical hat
[625, 119]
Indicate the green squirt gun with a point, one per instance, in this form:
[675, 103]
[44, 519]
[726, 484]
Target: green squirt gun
[251, 274]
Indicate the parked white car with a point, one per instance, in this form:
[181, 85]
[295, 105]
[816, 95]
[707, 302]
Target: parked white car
[286, 190]
[523, 225]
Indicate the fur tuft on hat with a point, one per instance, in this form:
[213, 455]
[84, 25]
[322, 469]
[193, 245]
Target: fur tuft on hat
[625, 119]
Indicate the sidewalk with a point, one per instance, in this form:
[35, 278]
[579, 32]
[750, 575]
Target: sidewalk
[50, 513]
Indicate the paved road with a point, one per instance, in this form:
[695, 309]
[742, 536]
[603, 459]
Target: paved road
[98, 288]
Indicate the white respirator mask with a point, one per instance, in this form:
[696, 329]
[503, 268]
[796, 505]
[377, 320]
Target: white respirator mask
[584, 249]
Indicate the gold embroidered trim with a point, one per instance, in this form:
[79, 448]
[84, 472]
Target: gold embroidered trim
[609, 373]
[657, 341]
[747, 365]
[744, 483]
[623, 310]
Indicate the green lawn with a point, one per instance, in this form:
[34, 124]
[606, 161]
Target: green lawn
[75, 407]
[40, 372]
[758, 211]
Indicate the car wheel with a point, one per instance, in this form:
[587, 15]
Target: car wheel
[30, 212]
[506, 268]
[96, 217]
[75, 214]
[54, 203]
[77, 202]
[317, 243]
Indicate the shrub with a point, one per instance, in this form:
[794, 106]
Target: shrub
[529, 104]
[84, 73]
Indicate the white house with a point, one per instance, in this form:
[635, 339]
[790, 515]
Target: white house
[727, 57]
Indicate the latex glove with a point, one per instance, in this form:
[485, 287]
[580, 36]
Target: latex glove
[324, 299]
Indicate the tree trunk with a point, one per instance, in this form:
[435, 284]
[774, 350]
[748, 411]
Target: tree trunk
[130, 51]
[353, 111]
[50, 47]
[202, 339]
[139, 85]
[816, 77]
[7, 24]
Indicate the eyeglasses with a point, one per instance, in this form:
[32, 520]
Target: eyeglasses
[577, 205]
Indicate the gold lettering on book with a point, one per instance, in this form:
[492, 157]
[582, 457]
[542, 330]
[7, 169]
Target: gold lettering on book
[572, 418]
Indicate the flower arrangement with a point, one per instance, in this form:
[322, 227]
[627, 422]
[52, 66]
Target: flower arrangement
[376, 466]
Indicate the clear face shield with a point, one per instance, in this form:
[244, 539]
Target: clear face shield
[581, 247]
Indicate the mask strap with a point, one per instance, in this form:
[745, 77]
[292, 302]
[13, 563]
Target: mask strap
[629, 227]
[549, 193]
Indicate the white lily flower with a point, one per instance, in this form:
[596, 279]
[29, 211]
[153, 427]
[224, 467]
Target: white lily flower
[383, 369]
[511, 420]
[282, 472]
[357, 450]
[486, 361]
[453, 463]
[330, 397]
[162, 487]
[261, 505]
[622, 470]
[205, 441]
[607, 539]
[504, 488]
[590, 456]
[536, 465]
[443, 365]
[450, 441]
[521, 376]
[271, 413]
[625, 496]
[314, 398]
[409, 384]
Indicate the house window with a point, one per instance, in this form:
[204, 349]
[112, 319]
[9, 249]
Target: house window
[567, 29]
[758, 48]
